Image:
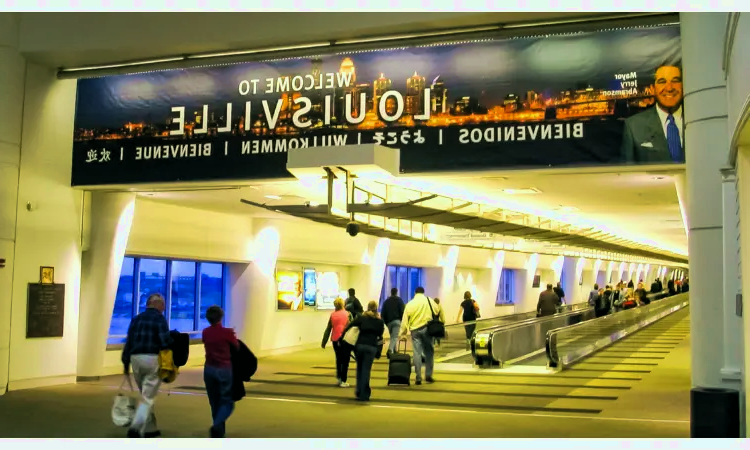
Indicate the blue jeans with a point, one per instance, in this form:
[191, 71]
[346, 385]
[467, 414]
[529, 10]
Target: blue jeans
[394, 326]
[219, 389]
[422, 343]
[365, 359]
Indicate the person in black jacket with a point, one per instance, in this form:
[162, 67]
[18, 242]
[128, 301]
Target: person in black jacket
[369, 346]
[558, 290]
[392, 312]
[353, 305]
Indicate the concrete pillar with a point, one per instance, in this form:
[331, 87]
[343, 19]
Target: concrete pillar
[706, 145]
[111, 220]
[12, 74]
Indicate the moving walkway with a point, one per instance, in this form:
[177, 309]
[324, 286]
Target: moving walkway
[560, 340]
[455, 347]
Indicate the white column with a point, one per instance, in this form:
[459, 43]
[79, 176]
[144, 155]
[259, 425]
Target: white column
[734, 347]
[367, 278]
[706, 149]
[530, 296]
[743, 193]
[570, 281]
[12, 70]
[253, 290]
[111, 220]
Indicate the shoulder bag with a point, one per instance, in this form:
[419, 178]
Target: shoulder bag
[435, 328]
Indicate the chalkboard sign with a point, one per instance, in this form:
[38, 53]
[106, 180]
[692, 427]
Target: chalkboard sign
[45, 310]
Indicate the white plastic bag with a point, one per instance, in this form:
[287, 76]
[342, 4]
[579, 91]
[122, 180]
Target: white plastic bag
[352, 336]
[123, 406]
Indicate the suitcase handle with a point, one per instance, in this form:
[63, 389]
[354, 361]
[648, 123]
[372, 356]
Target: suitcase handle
[398, 345]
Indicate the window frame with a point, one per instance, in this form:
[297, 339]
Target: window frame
[116, 342]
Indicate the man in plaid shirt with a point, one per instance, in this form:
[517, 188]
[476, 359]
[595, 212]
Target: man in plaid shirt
[148, 334]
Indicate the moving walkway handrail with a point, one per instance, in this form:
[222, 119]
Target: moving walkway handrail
[516, 316]
[504, 342]
[612, 328]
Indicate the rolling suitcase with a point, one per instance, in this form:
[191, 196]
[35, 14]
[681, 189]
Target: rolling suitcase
[399, 367]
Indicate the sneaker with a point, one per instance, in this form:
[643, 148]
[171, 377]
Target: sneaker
[338, 380]
[430, 380]
[343, 384]
[133, 433]
[152, 434]
[418, 383]
[214, 433]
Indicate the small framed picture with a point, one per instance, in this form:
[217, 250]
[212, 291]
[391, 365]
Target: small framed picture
[47, 275]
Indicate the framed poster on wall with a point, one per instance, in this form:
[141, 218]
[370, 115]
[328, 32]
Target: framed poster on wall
[310, 287]
[329, 289]
[289, 291]
[537, 281]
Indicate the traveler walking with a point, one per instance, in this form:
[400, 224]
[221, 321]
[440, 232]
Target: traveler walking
[353, 305]
[468, 312]
[337, 323]
[392, 311]
[368, 349]
[148, 334]
[419, 312]
[548, 302]
[217, 370]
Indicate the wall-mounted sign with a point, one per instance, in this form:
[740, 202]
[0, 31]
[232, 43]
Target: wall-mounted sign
[537, 281]
[289, 291]
[45, 310]
[600, 98]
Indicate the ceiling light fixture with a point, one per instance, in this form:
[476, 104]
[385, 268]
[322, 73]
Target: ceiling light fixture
[273, 197]
[125, 64]
[260, 50]
[524, 191]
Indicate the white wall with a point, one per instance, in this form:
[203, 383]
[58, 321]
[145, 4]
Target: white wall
[170, 231]
[49, 234]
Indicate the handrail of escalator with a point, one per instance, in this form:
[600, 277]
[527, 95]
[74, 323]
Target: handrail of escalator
[606, 330]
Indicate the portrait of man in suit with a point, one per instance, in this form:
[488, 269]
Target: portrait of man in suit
[656, 135]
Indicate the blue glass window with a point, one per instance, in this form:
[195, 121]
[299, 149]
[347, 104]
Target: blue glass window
[188, 287]
[405, 279]
[182, 304]
[506, 289]
[124, 307]
[212, 290]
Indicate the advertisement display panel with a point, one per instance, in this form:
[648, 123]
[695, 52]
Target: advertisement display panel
[329, 289]
[289, 291]
[310, 286]
[604, 98]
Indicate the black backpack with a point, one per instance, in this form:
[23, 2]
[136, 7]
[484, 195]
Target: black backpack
[180, 347]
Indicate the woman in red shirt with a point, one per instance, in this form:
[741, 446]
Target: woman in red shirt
[217, 372]
[339, 320]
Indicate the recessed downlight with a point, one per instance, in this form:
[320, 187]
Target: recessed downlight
[273, 197]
